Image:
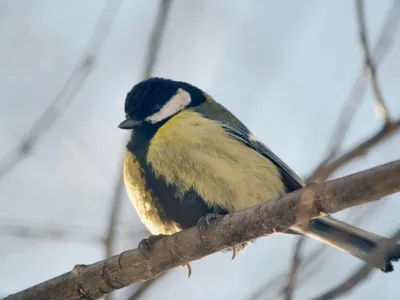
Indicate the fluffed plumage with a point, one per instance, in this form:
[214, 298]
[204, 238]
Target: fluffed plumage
[188, 156]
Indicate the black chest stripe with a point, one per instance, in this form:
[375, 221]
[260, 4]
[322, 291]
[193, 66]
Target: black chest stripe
[184, 210]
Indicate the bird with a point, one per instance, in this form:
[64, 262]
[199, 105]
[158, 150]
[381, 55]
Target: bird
[190, 160]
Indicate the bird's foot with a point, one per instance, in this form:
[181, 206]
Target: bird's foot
[145, 245]
[205, 221]
[236, 249]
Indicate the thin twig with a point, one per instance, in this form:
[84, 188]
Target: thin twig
[344, 123]
[114, 212]
[59, 232]
[362, 273]
[382, 47]
[310, 264]
[380, 107]
[156, 37]
[387, 130]
[144, 287]
[289, 289]
[150, 61]
[67, 93]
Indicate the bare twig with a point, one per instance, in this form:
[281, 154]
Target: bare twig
[150, 61]
[362, 273]
[387, 130]
[309, 264]
[67, 93]
[144, 287]
[382, 47]
[277, 215]
[114, 211]
[59, 232]
[380, 106]
[156, 37]
[289, 289]
[348, 113]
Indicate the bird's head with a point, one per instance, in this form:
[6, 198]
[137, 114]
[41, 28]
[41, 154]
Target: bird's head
[155, 100]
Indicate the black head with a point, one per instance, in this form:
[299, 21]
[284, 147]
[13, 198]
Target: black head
[156, 100]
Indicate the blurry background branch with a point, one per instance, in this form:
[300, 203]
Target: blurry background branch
[332, 161]
[360, 274]
[380, 106]
[29, 230]
[67, 92]
[308, 268]
[273, 216]
[388, 128]
[382, 48]
[119, 189]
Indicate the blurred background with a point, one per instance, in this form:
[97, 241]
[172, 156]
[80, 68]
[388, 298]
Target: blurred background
[290, 70]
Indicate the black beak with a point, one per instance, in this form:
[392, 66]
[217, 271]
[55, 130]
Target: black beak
[129, 124]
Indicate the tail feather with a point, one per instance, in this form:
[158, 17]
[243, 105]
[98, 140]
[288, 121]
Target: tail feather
[350, 239]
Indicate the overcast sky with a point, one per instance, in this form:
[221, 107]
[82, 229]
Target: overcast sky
[285, 68]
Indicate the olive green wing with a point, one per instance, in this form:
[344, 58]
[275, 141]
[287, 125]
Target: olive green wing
[237, 130]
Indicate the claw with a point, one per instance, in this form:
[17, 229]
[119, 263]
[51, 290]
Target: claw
[233, 253]
[237, 249]
[205, 221]
[145, 245]
[189, 269]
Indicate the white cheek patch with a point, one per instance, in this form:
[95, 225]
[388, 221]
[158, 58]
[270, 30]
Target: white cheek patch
[175, 104]
[252, 137]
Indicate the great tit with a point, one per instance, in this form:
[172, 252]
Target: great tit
[189, 157]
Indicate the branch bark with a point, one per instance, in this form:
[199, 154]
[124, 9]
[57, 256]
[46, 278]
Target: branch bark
[277, 215]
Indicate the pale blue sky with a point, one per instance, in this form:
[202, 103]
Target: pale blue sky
[284, 67]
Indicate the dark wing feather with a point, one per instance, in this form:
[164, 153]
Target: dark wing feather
[217, 112]
[290, 178]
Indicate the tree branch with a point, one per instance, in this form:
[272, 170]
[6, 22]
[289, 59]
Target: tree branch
[67, 93]
[322, 171]
[114, 211]
[144, 287]
[385, 41]
[307, 269]
[380, 106]
[296, 261]
[277, 215]
[361, 149]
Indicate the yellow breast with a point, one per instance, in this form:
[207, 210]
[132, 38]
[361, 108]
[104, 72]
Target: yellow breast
[142, 199]
[193, 152]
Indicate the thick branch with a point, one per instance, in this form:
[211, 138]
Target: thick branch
[278, 215]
